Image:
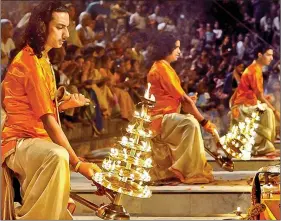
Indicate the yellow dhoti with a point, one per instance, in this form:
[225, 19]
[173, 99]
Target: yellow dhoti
[42, 169]
[178, 151]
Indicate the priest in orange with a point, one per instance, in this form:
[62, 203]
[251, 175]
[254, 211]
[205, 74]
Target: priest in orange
[246, 97]
[178, 149]
[34, 147]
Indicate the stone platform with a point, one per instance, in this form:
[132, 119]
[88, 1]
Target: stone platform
[218, 217]
[223, 196]
[215, 201]
[254, 164]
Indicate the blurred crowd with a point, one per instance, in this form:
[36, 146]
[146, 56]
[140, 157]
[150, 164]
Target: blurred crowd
[107, 55]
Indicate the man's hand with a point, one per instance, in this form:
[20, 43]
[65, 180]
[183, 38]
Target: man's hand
[76, 100]
[210, 127]
[88, 169]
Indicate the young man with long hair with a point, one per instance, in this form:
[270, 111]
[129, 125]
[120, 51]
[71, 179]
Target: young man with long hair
[34, 146]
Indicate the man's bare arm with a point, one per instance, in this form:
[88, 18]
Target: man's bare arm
[57, 135]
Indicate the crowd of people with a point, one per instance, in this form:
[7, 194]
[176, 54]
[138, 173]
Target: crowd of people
[107, 54]
[104, 56]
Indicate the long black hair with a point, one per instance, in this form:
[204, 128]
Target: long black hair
[163, 45]
[36, 32]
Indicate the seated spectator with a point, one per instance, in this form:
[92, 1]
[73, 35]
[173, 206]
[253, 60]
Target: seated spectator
[266, 27]
[226, 47]
[233, 79]
[201, 30]
[85, 30]
[7, 43]
[240, 48]
[96, 81]
[119, 15]
[138, 20]
[209, 36]
[218, 33]
[73, 34]
[156, 18]
[120, 87]
[167, 25]
[99, 11]
[276, 29]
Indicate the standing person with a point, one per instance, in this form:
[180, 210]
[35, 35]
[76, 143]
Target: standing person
[245, 99]
[34, 147]
[178, 149]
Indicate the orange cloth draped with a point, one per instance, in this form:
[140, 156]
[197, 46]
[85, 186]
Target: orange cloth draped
[166, 87]
[28, 93]
[250, 85]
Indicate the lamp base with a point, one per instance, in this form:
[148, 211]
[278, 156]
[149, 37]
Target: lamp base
[113, 212]
[225, 162]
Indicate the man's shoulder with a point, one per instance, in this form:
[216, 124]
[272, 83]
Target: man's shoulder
[24, 59]
[26, 53]
[253, 67]
[153, 69]
[157, 68]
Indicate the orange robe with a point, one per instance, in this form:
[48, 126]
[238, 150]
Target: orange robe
[244, 101]
[166, 87]
[28, 92]
[250, 85]
[178, 148]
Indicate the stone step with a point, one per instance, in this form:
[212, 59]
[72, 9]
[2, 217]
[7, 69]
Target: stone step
[85, 149]
[218, 217]
[210, 143]
[254, 164]
[223, 196]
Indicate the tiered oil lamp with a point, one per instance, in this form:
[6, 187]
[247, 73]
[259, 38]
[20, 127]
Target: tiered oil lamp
[127, 168]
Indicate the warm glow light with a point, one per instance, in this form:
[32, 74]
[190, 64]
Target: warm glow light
[127, 164]
[152, 98]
